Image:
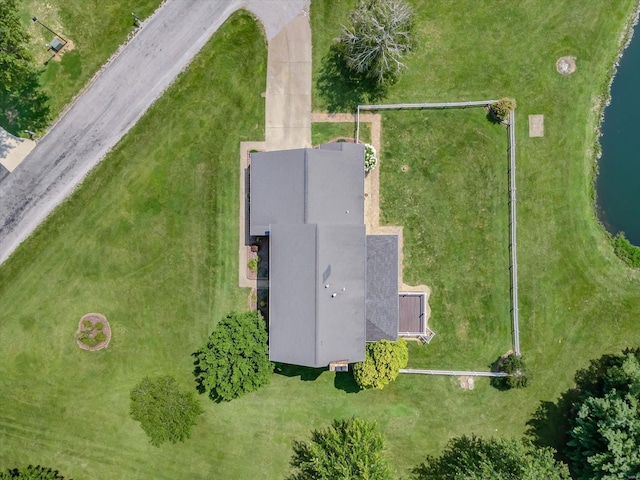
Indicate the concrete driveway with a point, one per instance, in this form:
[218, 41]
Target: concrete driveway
[127, 86]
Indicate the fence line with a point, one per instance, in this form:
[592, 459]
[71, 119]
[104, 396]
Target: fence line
[455, 373]
[511, 127]
[512, 230]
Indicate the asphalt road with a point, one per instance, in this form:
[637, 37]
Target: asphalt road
[118, 97]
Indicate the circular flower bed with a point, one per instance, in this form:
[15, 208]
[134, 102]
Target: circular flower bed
[94, 332]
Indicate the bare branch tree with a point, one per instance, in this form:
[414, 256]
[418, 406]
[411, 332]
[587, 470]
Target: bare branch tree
[378, 37]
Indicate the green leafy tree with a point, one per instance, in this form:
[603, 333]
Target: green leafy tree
[22, 104]
[604, 435]
[164, 412]
[235, 359]
[31, 473]
[382, 364]
[515, 366]
[502, 107]
[379, 35]
[348, 450]
[476, 458]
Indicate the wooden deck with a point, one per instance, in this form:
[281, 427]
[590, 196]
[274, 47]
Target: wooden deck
[411, 313]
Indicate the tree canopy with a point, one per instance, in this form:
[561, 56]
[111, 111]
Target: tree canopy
[235, 359]
[378, 36]
[604, 435]
[31, 473]
[22, 104]
[476, 458]
[382, 364]
[347, 450]
[164, 412]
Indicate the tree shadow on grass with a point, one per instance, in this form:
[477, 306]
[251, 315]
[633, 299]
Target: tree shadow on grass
[549, 424]
[306, 374]
[341, 89]
[345, 381]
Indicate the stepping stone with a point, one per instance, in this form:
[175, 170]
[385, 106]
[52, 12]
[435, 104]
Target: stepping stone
[536, 125]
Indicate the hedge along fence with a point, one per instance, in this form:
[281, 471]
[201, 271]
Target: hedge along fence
[511, 124]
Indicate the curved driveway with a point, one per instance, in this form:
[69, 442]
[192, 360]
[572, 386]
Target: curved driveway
[119, 96]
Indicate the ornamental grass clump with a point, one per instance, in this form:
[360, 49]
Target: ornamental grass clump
[502, 107]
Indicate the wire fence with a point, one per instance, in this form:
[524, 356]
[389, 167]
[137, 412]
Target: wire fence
[511, 127]
[512, 232]
[454, 373]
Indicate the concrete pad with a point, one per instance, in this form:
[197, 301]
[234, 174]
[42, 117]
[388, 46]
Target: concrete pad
[13, 149]
[536, 125]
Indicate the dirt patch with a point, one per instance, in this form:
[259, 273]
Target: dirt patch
[466, 382]
[536, 125]
[566, 65]
[94, 332]
[67, 48]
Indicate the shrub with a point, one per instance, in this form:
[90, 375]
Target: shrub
[31, 473]
[99, 326]
[629, 253]
[502, 107]
[100, 337]
[253, 264]
[370, 159]
[164, 412]
[87, 324]
[379, 35]
[382, 364]
[514, 365]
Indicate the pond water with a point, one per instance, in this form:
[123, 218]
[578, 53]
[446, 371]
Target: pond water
[618, 182]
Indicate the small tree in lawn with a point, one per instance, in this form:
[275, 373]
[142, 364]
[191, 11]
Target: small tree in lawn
[164, 412]
[382, 364]
[516, 368]
[379, 35]
[502, 107]
[348, 449]
[31, 473]
[235, 359]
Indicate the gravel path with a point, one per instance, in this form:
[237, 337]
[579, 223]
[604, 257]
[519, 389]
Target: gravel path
[120, 94]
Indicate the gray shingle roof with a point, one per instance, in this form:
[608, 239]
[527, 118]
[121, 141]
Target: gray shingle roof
[382, 288]
[311, 204]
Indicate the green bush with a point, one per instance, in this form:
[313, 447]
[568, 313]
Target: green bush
[99, 326]
[502, 107]
[31, 473]
[370, 159]
[87, 324]
[382, 364]
[253, 264]
[630, 254]
[164, 412]
[516, 368]
[100, 337]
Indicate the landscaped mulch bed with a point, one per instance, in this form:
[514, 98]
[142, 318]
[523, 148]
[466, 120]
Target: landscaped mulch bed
[90, 326]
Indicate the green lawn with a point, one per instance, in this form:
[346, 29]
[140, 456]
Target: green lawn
[323, 132]
[150, 240]
[96, 29]
[453, 204]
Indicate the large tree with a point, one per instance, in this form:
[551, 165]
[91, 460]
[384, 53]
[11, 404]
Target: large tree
[164, 412]
[382, 364]
[30, 472]
[235, 359]
[378, 36]
[605, 422]
[22, 104]
[347, 450]
[476, 458]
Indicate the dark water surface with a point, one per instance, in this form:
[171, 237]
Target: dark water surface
[618, 182]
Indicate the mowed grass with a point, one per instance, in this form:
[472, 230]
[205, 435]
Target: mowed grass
[323, 132]
[96, 29]
[150, 240]
[453, 203]
[577, 300]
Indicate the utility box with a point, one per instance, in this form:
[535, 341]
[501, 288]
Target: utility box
[56, 45]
